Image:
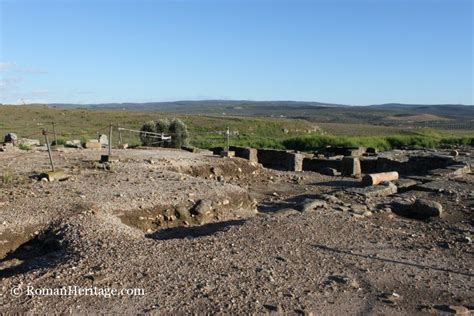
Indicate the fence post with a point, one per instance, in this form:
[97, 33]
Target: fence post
[45, 133]
[110, 140]
[54, 134]
[227, 139]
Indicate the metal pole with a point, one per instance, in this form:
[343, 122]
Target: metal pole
[110, 140]
[45, 133]
[54, 132]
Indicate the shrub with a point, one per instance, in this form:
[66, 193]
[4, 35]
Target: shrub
[7, 177]
[146, 139]
[59, 141]
[179, 133]
[176, 128]
[162, 126]
[24, 147]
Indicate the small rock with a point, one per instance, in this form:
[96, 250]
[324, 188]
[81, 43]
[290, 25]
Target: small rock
[329, 171]
[427, 208]
[454, 309]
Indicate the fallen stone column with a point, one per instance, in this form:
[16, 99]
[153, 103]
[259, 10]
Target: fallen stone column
[376, 178]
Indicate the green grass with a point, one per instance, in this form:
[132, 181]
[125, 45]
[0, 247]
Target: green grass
[24, 147]
[7, 177]
[206, 131]
[380, 142]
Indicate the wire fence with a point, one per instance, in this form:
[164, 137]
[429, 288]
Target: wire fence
[126, 135]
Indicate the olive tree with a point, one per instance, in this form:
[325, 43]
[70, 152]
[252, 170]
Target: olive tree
[179, 133]
[147, 139]
[162, 126]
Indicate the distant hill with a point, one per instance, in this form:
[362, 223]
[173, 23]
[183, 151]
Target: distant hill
[448, 110]
[444, 116]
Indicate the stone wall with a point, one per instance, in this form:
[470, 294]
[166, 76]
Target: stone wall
[417, 165]
[280, 159]
[245, 152]
[318, 164]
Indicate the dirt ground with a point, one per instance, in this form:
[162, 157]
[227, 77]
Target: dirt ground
[198, 233]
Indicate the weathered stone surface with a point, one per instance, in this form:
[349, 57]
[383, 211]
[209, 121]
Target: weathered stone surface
[103, 140]
[93, 144]
[73, 143]
[203, 207]
[58, 174]
[203, 211]
[350, 166]
[405, 184]
[182, 212]
[309, 205]
[280, 159]
[412, 163]
[107, 158]
[453, 170]
[358, 209]
[286, 212]
[8, 147]
[295, 162]
[10, 138]
[375, 191]
[318, 164]
[421, 208]
[227, 153]
[331, 199]
[329, 171]
[439, 186]
[341, 151]
[28, 142]
[427, 208]
[246, 153]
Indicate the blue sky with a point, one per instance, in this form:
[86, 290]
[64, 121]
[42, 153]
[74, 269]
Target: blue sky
[344, 51]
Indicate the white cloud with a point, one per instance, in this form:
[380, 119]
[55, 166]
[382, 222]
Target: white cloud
[14, 68]
[4, 67]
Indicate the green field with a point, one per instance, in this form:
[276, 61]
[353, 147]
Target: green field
[206, 131]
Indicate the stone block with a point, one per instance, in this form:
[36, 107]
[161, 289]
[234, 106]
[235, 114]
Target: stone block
[107, 158]
[58, 174]
[227, 153]
[295, 162]
[245, 152]
[375, 191]
[351, 166]
[103, 140]
[93, 145]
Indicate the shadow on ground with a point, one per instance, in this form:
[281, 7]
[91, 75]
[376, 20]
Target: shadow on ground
[192, 232]
[42, 251]
[339, 183]
[388, 260]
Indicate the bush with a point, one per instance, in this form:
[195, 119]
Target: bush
[162, 126]
[179, 133]
[146, 139]
[176, 128]
[59, 141]
[24, 147]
